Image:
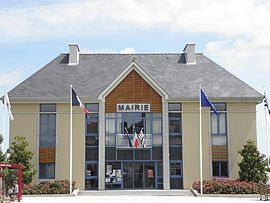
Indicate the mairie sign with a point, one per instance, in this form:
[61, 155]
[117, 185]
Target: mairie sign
[133, 107]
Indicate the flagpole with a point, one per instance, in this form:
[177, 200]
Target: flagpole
[266, 129]
[4, 117]
[201, 179]
[70, 147]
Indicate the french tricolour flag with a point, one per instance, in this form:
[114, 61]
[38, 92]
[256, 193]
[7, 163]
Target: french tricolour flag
[77, 102]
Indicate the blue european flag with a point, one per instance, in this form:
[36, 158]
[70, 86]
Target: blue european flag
[205, 102]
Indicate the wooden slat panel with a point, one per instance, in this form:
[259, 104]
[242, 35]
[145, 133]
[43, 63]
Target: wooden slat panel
[133, 89]
[47, 154]
[219, 153]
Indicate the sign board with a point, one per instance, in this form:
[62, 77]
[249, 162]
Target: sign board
[133, 107]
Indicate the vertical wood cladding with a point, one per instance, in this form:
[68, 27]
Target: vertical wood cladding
[219, 153]
[133, 89]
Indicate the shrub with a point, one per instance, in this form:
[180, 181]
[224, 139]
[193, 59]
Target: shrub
[50, 187]
[227, 186]
[252, 167]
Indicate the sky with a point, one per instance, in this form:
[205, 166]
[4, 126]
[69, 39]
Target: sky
[234, 34]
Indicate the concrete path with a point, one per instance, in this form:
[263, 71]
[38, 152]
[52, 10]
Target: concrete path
[136, 199]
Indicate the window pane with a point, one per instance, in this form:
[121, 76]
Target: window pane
[124, 155]
[51, 172]
[157, 153]
[92, 123]
[110, 115]
[142, 155]
[219, 140]
[110, 126]
[214, 123]
[220, 106]
[222, 123]
[42, 171]
[92, 107]
[174, 126]
[215, 168]
[91, 184]
[91, 153]
[157, 125]
[47, 130]
[174, 107]
[175, 140]
[110, 153]
[110, 140]
[47, 108]
[91, 169]
[160, 169]
[176, 183]
[175, 115]
[91, 141]
[224, 168]
[176, 169]
[157, 140]
[175, 153]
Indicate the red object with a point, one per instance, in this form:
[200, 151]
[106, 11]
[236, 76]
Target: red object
[136, 142]
[19, 168]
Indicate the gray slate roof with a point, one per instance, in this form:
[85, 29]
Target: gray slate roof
[96, 71]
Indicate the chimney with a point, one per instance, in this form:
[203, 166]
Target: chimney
[189, 52]
[74, 53]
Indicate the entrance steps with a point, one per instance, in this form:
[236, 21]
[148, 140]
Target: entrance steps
[135, 192]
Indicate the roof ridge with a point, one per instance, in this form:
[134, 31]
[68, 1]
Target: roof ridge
[200, 53]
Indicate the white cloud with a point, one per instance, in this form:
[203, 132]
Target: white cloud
[128, 50]
[228, 18]
[11, 78]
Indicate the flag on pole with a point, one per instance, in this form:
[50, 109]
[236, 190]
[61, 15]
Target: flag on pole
[205, 102]
[7, 105]
[266, 103]
[135, 139]
[142, 136]
[77, 102]
[129, 138]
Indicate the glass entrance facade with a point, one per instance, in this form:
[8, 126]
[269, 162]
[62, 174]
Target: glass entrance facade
[133, 151]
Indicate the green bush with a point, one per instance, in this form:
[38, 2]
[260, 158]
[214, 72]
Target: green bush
[227, 186]
[48, 187]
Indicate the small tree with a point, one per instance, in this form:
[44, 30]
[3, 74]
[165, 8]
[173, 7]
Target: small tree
[2, 155]
[252, 167]
[21, 155]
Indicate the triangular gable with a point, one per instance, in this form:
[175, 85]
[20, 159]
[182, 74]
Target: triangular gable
[133, 66]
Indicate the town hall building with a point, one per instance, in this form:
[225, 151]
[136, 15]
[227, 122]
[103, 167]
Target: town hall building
[130, 97]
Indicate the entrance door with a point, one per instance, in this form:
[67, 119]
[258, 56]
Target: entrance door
[138, 175]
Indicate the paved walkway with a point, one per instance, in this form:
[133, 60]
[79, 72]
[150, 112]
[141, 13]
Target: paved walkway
[136, 199]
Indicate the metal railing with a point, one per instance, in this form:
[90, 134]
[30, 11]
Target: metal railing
[122, 141]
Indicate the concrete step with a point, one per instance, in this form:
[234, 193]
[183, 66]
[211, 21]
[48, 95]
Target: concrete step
[136, 192]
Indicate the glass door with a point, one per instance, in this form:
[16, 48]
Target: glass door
[127, 175]
[138, 175]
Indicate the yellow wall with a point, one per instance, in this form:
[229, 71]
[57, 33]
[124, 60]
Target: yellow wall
[62, 140]
[190, 140]
[25, 124]
[241, 127]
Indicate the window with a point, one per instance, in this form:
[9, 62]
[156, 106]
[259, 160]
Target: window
[219, 125]
[175, 142]
[47, 123]
[91, 147]
[47, 138]
[46, 170]
[220, 169]
[174, 107]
